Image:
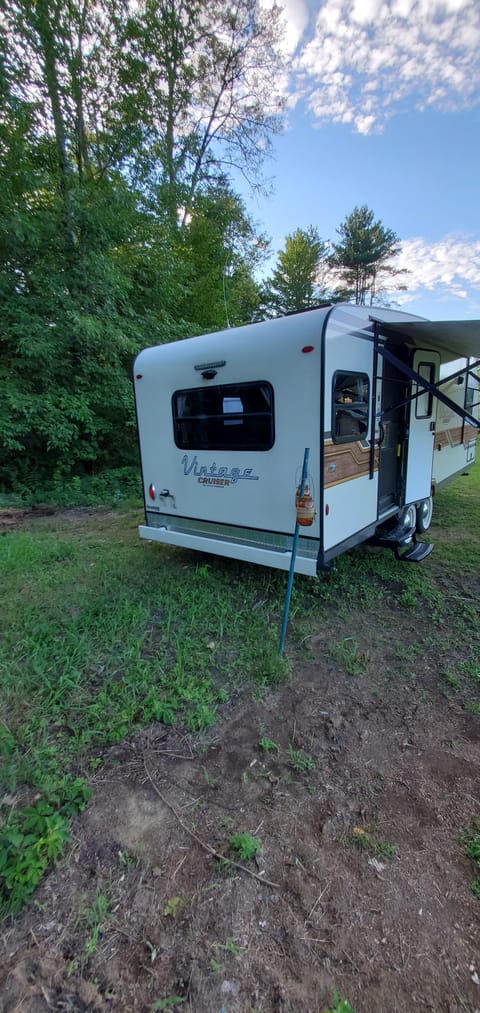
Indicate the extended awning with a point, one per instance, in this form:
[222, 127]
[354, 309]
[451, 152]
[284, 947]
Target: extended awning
[424, 385]
[454, 339]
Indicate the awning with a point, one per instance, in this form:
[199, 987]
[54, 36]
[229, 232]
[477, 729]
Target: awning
[454, 339]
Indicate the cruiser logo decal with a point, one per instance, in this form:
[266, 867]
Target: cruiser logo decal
[211, 475]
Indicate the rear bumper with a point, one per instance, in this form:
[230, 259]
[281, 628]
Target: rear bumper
[278, 556]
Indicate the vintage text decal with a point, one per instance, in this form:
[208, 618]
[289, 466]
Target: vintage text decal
[211, 475]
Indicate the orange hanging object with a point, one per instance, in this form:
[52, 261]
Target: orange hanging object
[305, 507]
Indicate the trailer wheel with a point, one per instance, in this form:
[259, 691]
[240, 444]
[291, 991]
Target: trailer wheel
[424, 515]
[407, 518]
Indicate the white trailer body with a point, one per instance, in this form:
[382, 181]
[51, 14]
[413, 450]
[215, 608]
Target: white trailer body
[224, 420]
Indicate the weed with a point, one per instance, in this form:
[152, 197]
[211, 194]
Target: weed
[386, 850]
[470, 841]
[267, 745]
[208, 778]
[94, 919]
[28, 841]
[173, 906]
[168, 1002]
[339, 1005]
[125, 858]
[245, 845]
[300, 761]
[347, 653]
[226, 822]
[229, 946]
[366, 842]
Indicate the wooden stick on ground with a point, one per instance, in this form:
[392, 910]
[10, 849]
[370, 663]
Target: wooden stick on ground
[203, 844]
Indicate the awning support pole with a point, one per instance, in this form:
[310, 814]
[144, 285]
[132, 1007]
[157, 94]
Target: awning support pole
[294, 555]
[432, 388]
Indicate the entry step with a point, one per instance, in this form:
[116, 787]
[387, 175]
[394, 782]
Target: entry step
[415, 552]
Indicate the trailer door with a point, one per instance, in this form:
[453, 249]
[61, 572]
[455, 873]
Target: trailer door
[421, 434]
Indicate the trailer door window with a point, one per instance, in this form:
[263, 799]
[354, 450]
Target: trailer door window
[228, 417]
[350, 406]
[424, 399]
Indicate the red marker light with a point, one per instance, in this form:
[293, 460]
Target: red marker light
[308, 348]
[151, 491]
[139, 376]
[327, 509]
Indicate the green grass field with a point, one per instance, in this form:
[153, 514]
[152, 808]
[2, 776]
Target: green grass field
[102, 633]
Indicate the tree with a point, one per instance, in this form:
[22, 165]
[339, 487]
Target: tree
[113, 116]
[220, 245]
[362, 256]
[295, 283]
[211, 101]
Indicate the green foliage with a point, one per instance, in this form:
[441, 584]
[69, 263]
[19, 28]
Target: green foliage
[104, 634]
[94, 917]
[101, 145]
[339, 1005]
[267, 745]
[32, 837]
[168, 1002]
[245, 845]
[294, 284]
[348, 654]
[368, 842]
[470, 841]
[299, 760]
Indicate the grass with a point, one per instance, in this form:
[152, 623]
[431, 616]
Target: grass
[367, 842]
[470, 841]
[103, 633]
[349, 656]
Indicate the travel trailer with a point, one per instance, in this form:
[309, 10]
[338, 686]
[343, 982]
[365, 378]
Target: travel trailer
[379, 398]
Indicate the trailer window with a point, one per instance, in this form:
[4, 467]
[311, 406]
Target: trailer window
[471, 396]
[228, 417]
[424, 400]
[350, 406]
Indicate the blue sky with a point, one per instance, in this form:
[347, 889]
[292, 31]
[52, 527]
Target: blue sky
[384, 110]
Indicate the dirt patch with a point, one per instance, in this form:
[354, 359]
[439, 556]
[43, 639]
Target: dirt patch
[12, 519]
[358, 808]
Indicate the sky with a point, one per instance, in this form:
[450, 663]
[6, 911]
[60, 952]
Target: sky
[383, 109]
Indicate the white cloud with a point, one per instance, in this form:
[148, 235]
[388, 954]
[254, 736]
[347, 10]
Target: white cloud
[294, 20]
[421, 52]
[450, 266]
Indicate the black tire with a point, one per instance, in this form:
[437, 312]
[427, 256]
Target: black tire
[424, 515]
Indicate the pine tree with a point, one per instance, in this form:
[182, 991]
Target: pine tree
[294, 285]
[363, 254]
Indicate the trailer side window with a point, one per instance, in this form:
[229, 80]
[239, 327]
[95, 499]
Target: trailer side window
[350, 406]
[226, 417]
[471, 396]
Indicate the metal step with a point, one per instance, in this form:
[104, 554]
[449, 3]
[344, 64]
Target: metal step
[395, 537]
[414, 553]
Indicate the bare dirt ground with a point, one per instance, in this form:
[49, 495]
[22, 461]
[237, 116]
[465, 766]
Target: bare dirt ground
[141, 911]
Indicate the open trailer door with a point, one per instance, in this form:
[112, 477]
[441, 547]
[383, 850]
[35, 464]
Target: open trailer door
[421, 429]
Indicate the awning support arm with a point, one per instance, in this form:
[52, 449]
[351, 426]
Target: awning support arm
[432, 388]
